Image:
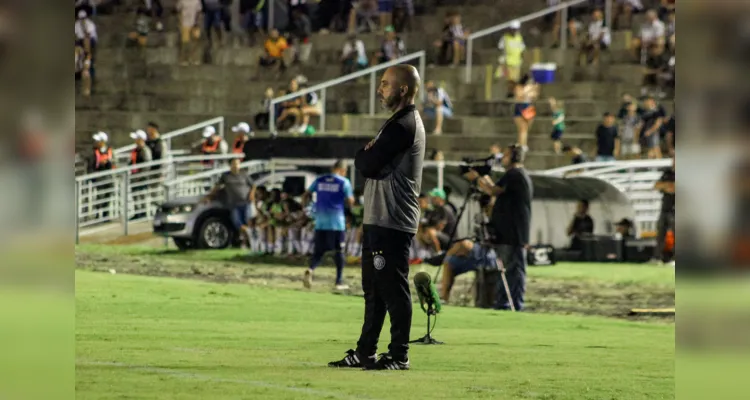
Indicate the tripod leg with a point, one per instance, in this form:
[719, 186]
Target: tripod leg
[507, 289]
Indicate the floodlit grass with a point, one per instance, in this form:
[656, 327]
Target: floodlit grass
[146, 337]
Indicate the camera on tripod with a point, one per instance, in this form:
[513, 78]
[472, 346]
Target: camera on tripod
[482, 166]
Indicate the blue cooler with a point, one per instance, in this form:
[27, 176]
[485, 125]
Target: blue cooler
[543, 73]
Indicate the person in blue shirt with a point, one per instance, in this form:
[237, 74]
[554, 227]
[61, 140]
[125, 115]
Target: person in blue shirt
[333, 193]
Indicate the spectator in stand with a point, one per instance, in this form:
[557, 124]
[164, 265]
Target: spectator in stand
[558, 123]
[364, 11]
[512, 47]
[85, 5]
[392, 47]
[656, 71]
[294, 6]
[86, 36]
[139, 35]
[630, 147]
[213, 144]
[671, 30]
[598, 39]
[311, 107]
[252, 18]
[653, 115]
[652, 32]
[83, 69]
[353, 56]
[275, 47]
[140, 154]
[189, 11]
[458, 36]
[154, 9]
[213, 16]
[385, 7]
[291, 110]
[438, 106]
[154, 142]
[607, 139]
[300, 35]
[580, 226]
[403, 12]
[261, 118]
[573, 22]
[625, 9]
[576, 155]
[243, 133]
[665, 8]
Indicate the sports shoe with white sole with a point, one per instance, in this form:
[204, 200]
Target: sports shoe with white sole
[342, 286]
[387, 362]
[352, 360]
[307, 279]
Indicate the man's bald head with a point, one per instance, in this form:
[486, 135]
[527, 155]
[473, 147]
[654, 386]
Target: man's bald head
[399, 86]
[407, 75]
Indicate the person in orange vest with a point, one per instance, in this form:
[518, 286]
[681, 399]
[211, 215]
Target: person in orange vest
[243, 135]
[102, 160]
[140, 176]
[213, 144]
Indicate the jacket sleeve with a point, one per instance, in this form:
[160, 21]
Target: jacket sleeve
[376, 162]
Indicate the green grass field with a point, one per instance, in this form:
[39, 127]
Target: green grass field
[238, 331]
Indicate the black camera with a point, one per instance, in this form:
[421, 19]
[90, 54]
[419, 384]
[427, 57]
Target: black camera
[482, 166]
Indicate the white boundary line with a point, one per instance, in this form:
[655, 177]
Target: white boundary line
[208, 378]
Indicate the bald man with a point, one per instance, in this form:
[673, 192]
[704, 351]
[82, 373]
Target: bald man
[392, 164]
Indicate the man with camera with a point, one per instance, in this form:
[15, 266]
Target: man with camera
[510, 223]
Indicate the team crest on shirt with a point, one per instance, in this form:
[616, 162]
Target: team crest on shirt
[379, 262]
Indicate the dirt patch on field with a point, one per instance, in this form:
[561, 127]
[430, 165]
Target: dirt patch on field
[545, 295]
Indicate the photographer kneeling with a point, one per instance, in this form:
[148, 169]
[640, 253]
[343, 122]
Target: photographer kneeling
[510, 223]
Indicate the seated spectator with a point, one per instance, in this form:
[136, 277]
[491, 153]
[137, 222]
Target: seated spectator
[625, 228]
[86, 37]
[625, 9]
[438, 106]
[630, 147]
[392, 48]
[139, 35]
[300, 36]
[83, 70]
[607, 139]
[311, 107]
[580, 226]
[353, 56]
[189, 11]
[458, 36]
[652, 32]
[153, 9]
[403, 12]
[576, 155]
[261, 118]
[275, 47]
[291, 111]
[574, 23]
[597, 39]
[656, 71]
[361, 16]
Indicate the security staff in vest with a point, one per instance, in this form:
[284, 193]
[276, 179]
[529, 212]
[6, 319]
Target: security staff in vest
[243, 133]
[102, 160]
[392, 166]
[510, 223]
[213, 144]
[512, 46]
[140, 176]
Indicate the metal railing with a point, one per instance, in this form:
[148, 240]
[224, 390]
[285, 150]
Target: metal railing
[127, 194]
[563, 8]
[421, 55]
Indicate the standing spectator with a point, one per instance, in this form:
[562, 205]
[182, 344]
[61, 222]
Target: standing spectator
[366, 11]
[385, 7]
[275, 47]
[213, 144]
[580, 226]
[438, 106]
[301, 33]
[652, 32]
[403, 12]
[607, 139]
[626, 9]
[140, 154]
[653, 116]
[83, 70]
[239, 193]
[458, 36]
[154, 9]
[558, 123]
[353, 56]
[392, 48]
[666, 185]
[598, 39]
[261, 118]
[189, 11]
[525, 93]
[252, 18]
[154, 142]
[86, 36]
[630, 147]
[512, 47]
[294, 6]
[656, 70]
[213, 16]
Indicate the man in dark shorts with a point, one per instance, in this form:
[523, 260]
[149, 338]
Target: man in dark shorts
[392, 164]
[239, 193]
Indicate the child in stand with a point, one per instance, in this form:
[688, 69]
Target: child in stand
[558, 123]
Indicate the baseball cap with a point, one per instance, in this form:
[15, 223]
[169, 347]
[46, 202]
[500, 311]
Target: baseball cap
[516, 24]
[139, 134]
[209, 131]
[82, 14]
[437, 192]
[100, 136]
[242, 127]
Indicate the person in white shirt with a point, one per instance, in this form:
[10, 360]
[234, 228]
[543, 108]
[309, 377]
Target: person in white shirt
[353, 56]
[652, 32]
[438, 106]
[189, 11]
[598, 38]
[86, 37]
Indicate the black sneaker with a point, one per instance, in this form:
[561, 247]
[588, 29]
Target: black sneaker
[387, 362]
[352, 360]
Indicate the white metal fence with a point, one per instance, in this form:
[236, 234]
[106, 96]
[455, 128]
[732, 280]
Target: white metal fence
[421, 55]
